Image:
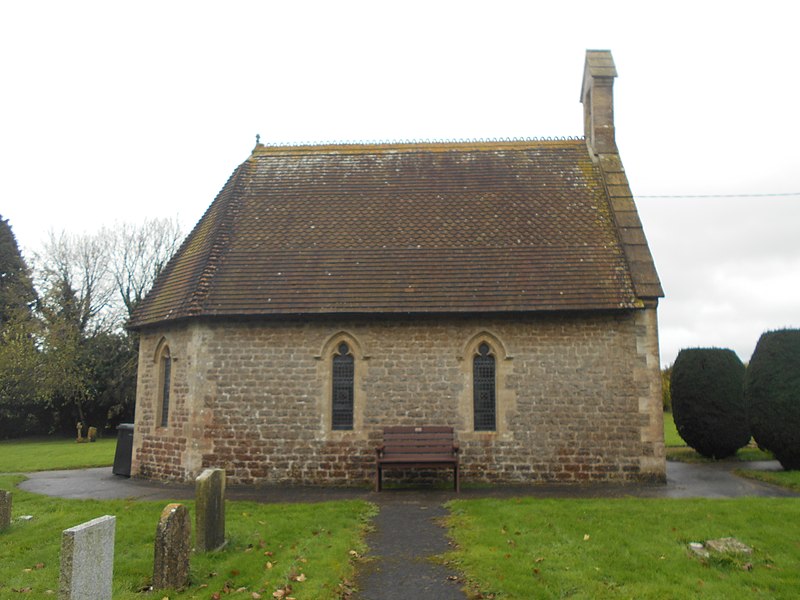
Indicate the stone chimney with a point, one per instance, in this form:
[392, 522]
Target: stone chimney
[597, 96]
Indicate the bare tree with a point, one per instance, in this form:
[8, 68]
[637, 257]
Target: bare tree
[73, 275]
[139, 253]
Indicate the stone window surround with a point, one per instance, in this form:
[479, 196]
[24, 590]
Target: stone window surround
[161, 354]
[505, 398]
[325, 373]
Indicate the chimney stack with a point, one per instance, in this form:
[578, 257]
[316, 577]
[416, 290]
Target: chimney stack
[597, 96]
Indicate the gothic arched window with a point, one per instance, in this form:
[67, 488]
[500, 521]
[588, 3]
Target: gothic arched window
[483, 389]
[165, 378]
[342, 389]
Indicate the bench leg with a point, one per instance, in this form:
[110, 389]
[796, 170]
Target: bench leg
[378, 474]
[456, 483]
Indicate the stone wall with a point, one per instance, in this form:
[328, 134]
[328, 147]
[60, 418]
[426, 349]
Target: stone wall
[578, 397]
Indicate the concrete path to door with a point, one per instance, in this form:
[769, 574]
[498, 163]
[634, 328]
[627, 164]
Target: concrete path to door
[407, 529]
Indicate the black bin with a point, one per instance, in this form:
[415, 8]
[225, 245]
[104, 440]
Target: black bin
[122, 457]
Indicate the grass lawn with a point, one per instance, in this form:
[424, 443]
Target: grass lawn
[43, 454]
[269, 544]
[624, 548]
[787, 479]
[671, 437]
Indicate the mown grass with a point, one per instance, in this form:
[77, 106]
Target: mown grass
[310, 540]
[45, 454]
[671, 437]
[787, 479]
[624, 548]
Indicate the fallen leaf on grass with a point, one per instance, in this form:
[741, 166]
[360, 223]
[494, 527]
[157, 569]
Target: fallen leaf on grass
[301, 577]
[268, 565]
[586, 537]
[255, 596]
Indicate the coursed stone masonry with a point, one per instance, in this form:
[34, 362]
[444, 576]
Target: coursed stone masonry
[578, 397]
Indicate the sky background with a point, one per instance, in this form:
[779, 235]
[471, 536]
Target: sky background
[116, 111]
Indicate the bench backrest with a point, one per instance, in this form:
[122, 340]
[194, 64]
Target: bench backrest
[418, 440]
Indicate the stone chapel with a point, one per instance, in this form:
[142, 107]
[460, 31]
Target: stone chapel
[503, 288]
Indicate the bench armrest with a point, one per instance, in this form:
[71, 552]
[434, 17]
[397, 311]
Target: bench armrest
[456, 448]
[379, 450]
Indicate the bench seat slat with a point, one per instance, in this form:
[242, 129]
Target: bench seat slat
[417, 447]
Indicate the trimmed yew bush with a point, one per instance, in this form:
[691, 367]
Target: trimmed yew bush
[772, 391]
[708, 401]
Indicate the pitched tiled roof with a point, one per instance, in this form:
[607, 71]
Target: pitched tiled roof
[403, 228]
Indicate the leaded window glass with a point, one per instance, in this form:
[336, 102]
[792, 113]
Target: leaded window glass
[342, 400]
[483, 389]
[166, 377]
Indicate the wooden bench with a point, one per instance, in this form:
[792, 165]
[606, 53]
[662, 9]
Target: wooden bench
[417, 447]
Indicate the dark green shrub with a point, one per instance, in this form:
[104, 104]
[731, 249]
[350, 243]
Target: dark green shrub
[708, 401]
[772, 391]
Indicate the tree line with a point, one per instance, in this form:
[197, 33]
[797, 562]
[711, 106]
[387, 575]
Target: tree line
[65, 356]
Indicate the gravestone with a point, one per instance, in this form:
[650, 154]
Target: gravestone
[87, 560]
[172, 548]
[5, 509]
[210, 510]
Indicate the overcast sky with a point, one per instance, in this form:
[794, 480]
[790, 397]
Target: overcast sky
[113, 111]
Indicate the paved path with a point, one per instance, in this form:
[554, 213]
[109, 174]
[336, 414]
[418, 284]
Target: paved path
[406, 529]
[405, 537]
[684, 480]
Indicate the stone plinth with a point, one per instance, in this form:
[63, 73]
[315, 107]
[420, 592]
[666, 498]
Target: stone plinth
[87, 560]
[172, 548]
[210, 510]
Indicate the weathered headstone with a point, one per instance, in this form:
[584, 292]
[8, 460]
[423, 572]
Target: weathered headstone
[5, 509]
[728, 545]
[210, 510]
[92, 434]
[172, 548]
[87, 560]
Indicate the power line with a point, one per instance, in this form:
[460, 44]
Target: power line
[787, 194]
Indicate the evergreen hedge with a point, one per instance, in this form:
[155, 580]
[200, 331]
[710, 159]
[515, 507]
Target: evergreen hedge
[772, 392]
[708, 401]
